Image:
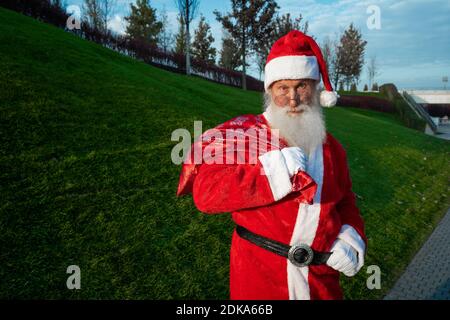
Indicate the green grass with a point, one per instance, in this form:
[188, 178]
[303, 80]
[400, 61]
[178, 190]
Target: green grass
[401, 109]
[86, 175]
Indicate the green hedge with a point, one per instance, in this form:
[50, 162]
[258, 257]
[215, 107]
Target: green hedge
[408, 116]
[404, 112]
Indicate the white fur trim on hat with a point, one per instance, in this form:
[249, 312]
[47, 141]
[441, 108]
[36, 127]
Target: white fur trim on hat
[328, 98]
[291, 67]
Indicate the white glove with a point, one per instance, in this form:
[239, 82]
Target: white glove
[295, 159]
[344, 258]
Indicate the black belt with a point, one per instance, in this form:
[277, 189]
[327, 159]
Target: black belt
[300, 255]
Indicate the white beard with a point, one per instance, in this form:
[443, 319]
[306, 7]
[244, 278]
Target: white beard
[305, 130]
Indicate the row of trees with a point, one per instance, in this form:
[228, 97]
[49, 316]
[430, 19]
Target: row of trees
[144, 25]
[252, 26]
[250, 29]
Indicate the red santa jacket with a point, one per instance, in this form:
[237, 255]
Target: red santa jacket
[315, 207]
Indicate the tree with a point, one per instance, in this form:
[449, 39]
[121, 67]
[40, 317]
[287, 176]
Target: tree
[327, 49]
[202, 47]
[188, 10]
[372, 69]
[375, 87]
[350, 55]
[366, 88]
[331, 53]
[247, 23]
[93, 13]
[98, 13]
[107, 10]
[165, 38]
[142, 23]
[230, 57]
[281, 26]
[284, 24]
[180, 38]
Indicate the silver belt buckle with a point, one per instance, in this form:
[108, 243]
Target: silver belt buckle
[301, 255]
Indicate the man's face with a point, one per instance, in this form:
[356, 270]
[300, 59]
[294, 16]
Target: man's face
[293, 93]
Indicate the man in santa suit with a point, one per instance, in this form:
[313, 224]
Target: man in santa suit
[297, 223]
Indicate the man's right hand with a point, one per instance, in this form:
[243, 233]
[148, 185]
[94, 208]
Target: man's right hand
[295, 159]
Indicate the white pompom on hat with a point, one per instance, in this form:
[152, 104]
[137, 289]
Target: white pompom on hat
[297, 56]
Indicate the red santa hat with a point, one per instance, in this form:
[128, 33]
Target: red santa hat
[297, 56]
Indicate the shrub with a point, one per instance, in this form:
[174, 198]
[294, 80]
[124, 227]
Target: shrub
[403, 110]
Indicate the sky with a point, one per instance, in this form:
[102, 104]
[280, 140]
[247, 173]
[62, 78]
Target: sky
[409, 38]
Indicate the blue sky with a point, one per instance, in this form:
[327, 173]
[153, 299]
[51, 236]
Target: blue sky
[412, 45]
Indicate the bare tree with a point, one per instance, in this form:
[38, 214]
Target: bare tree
[331, 54]
[98, 13]
[165, 36]
[93, 14]
[327, 51]
[372, 69]
[107, 10]
[188, 10]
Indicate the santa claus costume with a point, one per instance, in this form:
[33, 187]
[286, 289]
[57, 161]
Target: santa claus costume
[314, 206]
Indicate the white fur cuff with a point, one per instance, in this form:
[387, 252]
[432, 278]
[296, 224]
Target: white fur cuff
[277, 173]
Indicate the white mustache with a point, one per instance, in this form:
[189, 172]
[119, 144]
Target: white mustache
[300, 107]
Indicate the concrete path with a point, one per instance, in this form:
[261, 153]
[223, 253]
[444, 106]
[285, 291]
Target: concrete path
[428, 275]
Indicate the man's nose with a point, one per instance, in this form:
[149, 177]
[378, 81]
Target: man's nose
[293, 98]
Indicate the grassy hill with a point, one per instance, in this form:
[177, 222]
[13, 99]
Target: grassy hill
[86, 177]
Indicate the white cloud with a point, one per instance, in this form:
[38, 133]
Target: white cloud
[117, 24]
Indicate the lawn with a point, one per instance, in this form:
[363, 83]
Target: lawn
[86, 176]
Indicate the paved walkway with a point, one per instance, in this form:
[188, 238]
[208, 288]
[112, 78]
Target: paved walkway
[428, 275]
[443, 129]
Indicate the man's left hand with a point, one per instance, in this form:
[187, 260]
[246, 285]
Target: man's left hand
[343, 258]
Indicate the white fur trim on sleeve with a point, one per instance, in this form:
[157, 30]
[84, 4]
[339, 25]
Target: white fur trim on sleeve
[352, 237]
[277, 173]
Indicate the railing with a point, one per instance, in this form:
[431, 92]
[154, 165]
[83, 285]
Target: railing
[420, 111]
